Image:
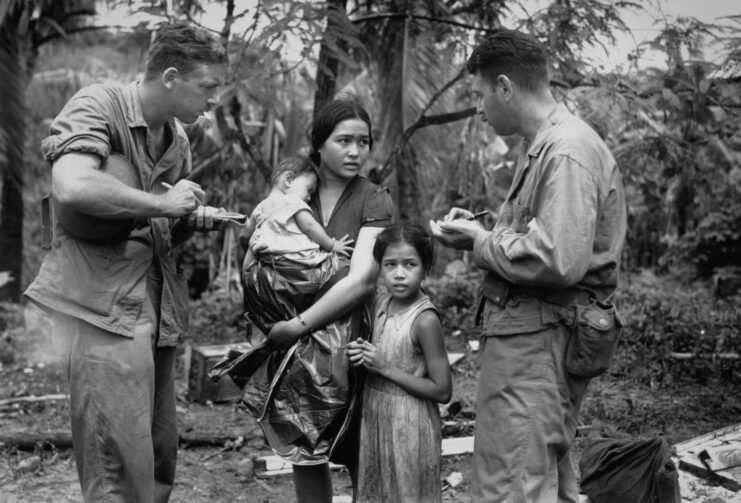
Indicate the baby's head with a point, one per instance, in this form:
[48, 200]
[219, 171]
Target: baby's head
[295, 175]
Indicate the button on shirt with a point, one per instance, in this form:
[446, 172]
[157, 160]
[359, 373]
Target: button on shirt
[104, 284]
[562, 224]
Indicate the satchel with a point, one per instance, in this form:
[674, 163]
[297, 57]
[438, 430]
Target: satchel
[595, 335]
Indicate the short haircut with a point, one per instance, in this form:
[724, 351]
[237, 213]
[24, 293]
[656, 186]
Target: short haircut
[331, 114]
[184, 47]
[296, 166]
[519, 56]
[411, 233]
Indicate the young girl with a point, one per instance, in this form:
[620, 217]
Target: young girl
[408, 376]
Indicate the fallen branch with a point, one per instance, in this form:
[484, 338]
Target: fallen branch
[706, 356]
[27, 399]
[27, 441]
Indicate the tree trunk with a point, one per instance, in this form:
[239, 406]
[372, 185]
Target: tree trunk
[15, 55]
[391, 60]
[329, 63]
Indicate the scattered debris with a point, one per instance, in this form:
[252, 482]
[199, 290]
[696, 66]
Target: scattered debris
[454, 358]
[714, 456]
[454, 479]
[272, 466]
[29, 464]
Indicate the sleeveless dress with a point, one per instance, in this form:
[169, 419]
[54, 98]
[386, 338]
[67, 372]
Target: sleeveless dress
[400, 435]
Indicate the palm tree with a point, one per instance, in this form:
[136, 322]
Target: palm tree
[24, 26]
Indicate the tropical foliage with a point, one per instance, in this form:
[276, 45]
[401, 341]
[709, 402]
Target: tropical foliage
[675, 132]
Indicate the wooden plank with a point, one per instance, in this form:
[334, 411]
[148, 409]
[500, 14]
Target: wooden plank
[692, 455]
[31, 399]
[705, 356]
[454, 358]
[272, 466]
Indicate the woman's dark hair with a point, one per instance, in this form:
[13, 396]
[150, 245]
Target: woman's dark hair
[184, 47]
[331, 114]
[296, 165]
[414, 235]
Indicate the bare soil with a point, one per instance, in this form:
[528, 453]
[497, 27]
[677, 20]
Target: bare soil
[226, 473]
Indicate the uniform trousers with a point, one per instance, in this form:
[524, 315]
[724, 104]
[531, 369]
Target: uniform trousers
[526, 417]
[122, 411]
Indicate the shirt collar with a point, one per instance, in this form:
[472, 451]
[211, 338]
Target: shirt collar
[134, 115]
[557, 115]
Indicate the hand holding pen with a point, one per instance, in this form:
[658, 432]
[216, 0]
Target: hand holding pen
[203, 217]
[182, 198]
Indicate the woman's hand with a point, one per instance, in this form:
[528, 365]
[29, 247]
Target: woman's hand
[285, 333]
[364, 353]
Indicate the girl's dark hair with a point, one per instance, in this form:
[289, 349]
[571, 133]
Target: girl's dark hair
[331, 114]
[296, 165]
[412, 234]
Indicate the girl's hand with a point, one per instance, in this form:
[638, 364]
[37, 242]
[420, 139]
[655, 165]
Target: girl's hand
[343, 246]
[364, 353]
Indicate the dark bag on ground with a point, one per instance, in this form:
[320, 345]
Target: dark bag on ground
[594, 338]
[635, 471]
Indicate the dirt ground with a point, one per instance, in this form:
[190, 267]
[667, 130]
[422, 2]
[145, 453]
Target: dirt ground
[225, 470]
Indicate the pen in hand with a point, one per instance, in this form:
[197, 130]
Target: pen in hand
[168, 187]
[478, 215]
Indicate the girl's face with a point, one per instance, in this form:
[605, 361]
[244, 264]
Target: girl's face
[346, 150]
[302, 185]
[402, 271]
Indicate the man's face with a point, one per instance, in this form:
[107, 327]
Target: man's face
[492, 105]
[196, 93]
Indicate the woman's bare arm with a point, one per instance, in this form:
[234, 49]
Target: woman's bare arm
[343, 296]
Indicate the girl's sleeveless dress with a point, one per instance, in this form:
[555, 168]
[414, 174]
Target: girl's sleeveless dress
[400, 436]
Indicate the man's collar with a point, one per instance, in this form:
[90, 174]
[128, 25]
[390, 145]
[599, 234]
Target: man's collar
[558, 113]
[134, 114]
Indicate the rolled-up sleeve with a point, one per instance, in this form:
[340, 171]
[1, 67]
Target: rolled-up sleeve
[553, 245]
[82, 126]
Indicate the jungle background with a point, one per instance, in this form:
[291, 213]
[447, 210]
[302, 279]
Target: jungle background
[674, 128]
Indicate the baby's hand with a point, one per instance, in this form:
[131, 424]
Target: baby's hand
[343, 246]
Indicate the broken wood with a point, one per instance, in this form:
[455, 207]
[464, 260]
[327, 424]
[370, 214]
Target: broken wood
[693, 453]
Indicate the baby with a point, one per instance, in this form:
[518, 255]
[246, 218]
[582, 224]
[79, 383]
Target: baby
[282, 225]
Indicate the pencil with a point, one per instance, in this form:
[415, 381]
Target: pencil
[478, 215]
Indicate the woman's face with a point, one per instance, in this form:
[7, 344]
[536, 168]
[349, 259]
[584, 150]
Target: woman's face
[346, 150]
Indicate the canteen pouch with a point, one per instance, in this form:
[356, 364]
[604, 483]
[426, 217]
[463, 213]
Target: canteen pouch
[594, 338]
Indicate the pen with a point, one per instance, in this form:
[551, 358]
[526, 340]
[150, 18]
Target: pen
[478, 215]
